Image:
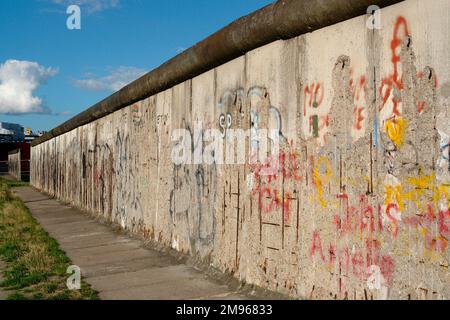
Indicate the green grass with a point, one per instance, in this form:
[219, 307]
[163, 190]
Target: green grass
[14, 183]
[35, 265]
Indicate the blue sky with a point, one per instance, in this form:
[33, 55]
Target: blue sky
[49, 74]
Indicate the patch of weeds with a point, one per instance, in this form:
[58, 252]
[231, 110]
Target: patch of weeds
[35, 265]
[15, 183]
[9, 251]
[17, 296]
[50, 288]
[38, 296]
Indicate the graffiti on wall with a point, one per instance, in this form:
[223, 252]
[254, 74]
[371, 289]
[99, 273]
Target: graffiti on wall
[361, 196]
[192, 201]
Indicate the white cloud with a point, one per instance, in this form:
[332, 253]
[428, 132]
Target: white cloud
[91, 6]
[18, 80]
[62, 113]
[116, 80]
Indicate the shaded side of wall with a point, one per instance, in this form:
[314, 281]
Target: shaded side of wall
[359, 205]
[14, 165]
[5, 148]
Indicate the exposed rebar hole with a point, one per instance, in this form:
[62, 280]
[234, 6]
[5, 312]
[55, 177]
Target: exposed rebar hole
[343, 61]
[408, 41]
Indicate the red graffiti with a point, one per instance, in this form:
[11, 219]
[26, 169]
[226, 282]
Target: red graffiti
[315, 92]
[359, 269]
[285, 167]
[421, 104]
[313, 96]
[393, 81]
[433, 242]
[332, 253]
[290, 165]
[355, 261]
[344, 261]
[362, 219]
[387, 269]
[359, 118]
[316, 245]
[359, 92]
[287, 163]
[396, 44]
[380, 221]
[97, 176]
[367, 218]
[355, 218]
[444, 223]
[394, 227]
[323, 122]
[270, 200]
[387, 85]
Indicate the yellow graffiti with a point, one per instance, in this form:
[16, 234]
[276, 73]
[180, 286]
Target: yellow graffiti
[422, 184]
[422, 189]
[393, 194]
[321, 180]
[434, 248]
[443, 194]
[395, 129]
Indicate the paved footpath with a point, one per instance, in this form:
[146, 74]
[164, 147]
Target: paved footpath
[115, 265]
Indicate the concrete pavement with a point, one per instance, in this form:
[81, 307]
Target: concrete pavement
[115, 265]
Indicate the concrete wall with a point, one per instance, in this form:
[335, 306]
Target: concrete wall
[6, 148]
[14, 164]
[359, 206]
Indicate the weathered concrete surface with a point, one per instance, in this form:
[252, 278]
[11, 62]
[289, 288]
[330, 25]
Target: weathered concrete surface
[359, 206]
[14, 164]
[115, 265]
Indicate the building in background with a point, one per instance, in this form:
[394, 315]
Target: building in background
[11, 132]
[15, 137]
[30, 135]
